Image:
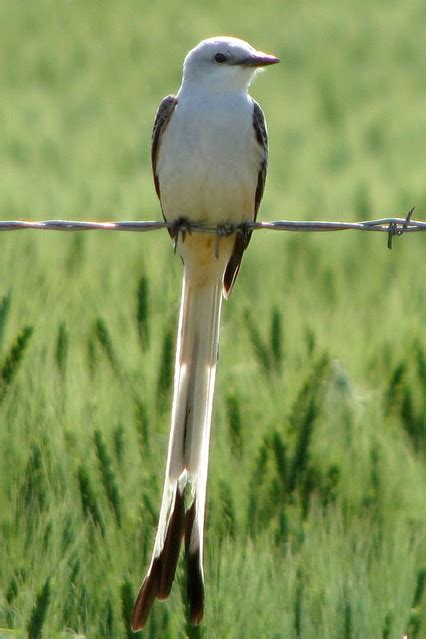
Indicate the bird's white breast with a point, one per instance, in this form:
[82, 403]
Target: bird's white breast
[209, 160]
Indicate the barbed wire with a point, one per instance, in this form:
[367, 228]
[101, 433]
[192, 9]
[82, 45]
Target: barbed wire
[393, 226]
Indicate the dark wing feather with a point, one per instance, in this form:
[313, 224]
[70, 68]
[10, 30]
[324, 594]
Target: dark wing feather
[164, 113]
[243, 239]
[259, 125]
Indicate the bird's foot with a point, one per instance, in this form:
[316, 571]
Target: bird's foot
[181, 226]
[244, 231]
[224, 230]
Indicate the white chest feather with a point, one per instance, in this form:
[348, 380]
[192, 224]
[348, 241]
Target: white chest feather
[209, 161]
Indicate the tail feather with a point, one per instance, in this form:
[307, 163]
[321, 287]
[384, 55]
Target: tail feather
[187, 463]
[146, 596]
[159, 579]
[194, 568]
[170, 553]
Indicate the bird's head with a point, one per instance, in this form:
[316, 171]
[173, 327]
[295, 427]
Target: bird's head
[223, 63]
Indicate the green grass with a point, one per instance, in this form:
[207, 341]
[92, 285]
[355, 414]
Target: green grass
[317, 515]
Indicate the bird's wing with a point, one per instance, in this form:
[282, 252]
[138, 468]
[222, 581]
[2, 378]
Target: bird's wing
[243, 239]
[164, 113]
[259, 126]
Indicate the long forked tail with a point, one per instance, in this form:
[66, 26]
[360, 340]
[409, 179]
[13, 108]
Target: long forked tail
[184, 496]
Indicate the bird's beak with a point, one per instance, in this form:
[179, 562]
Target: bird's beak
[259, 59]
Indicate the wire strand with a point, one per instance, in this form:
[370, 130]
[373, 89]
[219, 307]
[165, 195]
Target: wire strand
[393, 226]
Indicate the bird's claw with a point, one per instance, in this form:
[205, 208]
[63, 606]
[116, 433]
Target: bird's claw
[181, 227]
[244, 230]
[224, 230]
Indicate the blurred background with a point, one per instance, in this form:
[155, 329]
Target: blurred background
[316, 515]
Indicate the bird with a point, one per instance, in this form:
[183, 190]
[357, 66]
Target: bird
[209, 159]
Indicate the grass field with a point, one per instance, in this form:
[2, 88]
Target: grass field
[316, 512]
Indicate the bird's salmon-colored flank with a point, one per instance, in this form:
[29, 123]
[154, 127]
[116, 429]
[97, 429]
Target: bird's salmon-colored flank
[209, 159]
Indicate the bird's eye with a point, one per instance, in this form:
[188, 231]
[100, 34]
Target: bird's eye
[220, 58]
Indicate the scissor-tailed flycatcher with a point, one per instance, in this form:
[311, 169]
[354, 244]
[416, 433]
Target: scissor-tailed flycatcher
[209, 157]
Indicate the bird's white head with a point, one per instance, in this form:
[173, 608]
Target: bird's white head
[223, 64]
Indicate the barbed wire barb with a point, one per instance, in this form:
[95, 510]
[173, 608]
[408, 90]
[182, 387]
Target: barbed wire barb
[395, 231]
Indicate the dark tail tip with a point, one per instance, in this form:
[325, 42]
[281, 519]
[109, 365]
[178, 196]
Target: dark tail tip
[146, 595]
[159, 580]
[194, 569]
[170, 554]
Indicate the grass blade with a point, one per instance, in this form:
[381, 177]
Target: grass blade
[4, 312]
[13, 359]
[38, 615]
